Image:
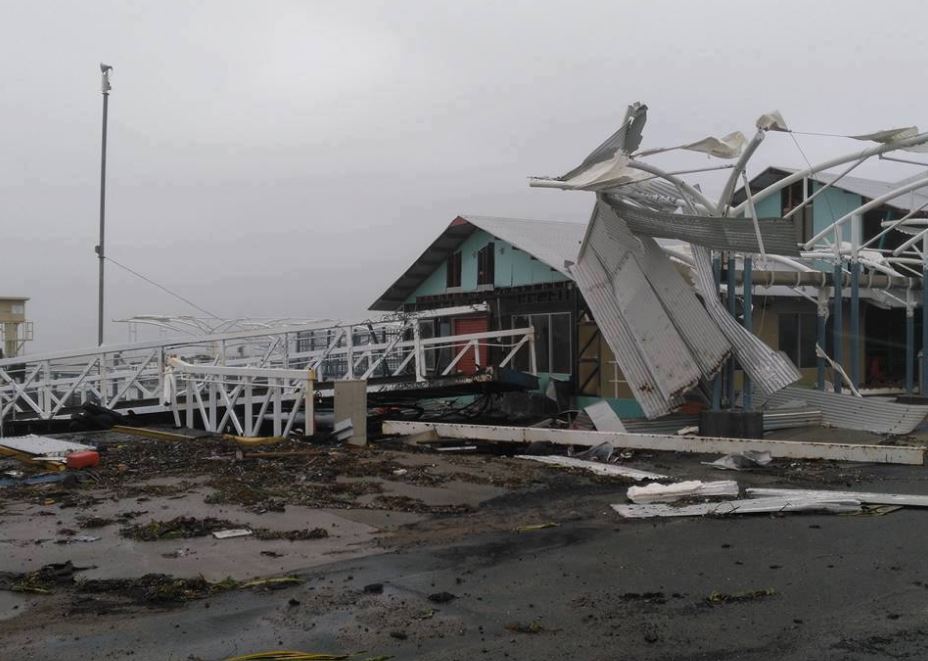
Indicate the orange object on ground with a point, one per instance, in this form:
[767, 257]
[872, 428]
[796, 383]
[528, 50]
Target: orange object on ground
[83, 459]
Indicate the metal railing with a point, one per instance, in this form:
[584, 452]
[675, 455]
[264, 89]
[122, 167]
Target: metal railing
[143, 377]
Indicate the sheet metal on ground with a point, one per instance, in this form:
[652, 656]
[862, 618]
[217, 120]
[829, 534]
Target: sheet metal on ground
[891, 454]
[861, 413]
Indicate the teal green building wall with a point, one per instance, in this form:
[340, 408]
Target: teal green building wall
[831, 205]
[513, 268]
[769, 207]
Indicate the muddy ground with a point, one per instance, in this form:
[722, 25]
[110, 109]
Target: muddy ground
[435, 556]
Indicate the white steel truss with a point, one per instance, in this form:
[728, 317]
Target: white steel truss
[266, 372]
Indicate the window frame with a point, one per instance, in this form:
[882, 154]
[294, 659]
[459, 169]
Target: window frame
[546, 362]
[453, 270]
[486, 264]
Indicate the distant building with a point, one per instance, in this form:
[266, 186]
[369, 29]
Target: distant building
[15, 330]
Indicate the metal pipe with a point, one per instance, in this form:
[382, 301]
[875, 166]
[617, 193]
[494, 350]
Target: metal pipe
[872, 204]
[855, 323]
[748, 322]
[923, 372]
[730, 294]
[921, 138]
[100, 250]
[837, 322]
[822, 279]
[717, 379]
[909, 348]
[725, 197]
[822, 341]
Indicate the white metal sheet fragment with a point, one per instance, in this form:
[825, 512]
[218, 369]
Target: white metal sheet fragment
[42, 445]
[610, 470]
[869, 497]
[668, 493]
[604, 417]
[749, 506]
[231, 533]
[887, 454]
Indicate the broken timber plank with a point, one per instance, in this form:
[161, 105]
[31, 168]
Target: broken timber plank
[871, 498]
[611, 470]
[749, 506]
[886, 454]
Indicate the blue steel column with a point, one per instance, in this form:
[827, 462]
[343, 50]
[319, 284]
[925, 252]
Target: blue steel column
[821, 337]
[923, 375]
[909, 348]
[717, 379]
[731, 292]
[746, 394]
[855, 323]
[837, 323]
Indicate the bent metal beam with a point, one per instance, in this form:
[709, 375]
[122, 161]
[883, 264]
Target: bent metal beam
[886, 454]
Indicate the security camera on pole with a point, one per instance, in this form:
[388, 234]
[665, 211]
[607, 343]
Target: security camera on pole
[105, 69]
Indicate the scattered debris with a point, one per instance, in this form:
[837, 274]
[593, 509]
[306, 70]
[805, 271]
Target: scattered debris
[41, 581]
[287, 655]
[78, 539]
[610, 470]
[602, 452]
[94, 521]
[536, 526]
[749, 506]
[275, 583]
[291, 535]
[719, 598]
[529, 627]
[742, 461]
[184, 527]
[231, 533]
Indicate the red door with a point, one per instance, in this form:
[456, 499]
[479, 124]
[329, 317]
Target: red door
[465, 326]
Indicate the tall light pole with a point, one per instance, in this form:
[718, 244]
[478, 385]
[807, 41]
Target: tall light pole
[105, 90]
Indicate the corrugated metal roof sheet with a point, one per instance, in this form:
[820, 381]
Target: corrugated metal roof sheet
[662, 337]
[849, 412]
[769, 370]
[549, 241]
[738, 234]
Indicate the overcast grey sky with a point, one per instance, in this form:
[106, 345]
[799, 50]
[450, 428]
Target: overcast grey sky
[292, 158]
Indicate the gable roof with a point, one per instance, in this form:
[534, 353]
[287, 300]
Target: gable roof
[549, 241]
[868, 188]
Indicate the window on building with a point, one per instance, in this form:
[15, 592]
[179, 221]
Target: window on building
[790, 198]
[454, 271]
[486, 264]
[797, 337]
[552, 342]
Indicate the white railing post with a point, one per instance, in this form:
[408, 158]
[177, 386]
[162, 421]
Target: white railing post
[418, 356]
[309, 406]
[532, 358]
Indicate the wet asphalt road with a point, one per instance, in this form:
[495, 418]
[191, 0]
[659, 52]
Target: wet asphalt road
[595, 587]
